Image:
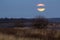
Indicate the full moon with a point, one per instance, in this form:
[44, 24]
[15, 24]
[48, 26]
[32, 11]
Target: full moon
[41, 9]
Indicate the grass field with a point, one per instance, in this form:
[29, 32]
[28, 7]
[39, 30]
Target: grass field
[29, 34]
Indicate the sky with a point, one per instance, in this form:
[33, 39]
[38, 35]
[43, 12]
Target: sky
[28, 8]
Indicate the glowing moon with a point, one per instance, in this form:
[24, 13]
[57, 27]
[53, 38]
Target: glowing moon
[40, 4]
[41, 9]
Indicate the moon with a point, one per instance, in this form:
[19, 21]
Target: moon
[41, 4]
[41, 9]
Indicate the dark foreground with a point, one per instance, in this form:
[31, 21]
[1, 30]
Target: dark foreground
[29, 34]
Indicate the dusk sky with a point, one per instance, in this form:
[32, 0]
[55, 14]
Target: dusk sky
[28, 8]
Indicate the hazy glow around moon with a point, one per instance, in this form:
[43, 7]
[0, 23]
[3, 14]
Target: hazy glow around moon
[41, 9]
[40, 4]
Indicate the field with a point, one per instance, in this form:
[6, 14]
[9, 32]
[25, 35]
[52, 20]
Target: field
[29, 34]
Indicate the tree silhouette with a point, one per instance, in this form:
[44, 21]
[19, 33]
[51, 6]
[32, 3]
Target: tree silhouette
[40, 22]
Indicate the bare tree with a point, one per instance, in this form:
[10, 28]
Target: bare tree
[40, 22]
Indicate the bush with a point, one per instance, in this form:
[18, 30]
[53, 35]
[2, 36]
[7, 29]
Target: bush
[19, 24]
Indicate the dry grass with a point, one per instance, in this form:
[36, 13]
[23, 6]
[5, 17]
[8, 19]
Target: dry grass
[12, 37]
[29, 34]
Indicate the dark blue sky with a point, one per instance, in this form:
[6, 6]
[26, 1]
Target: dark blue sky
[28, 8]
